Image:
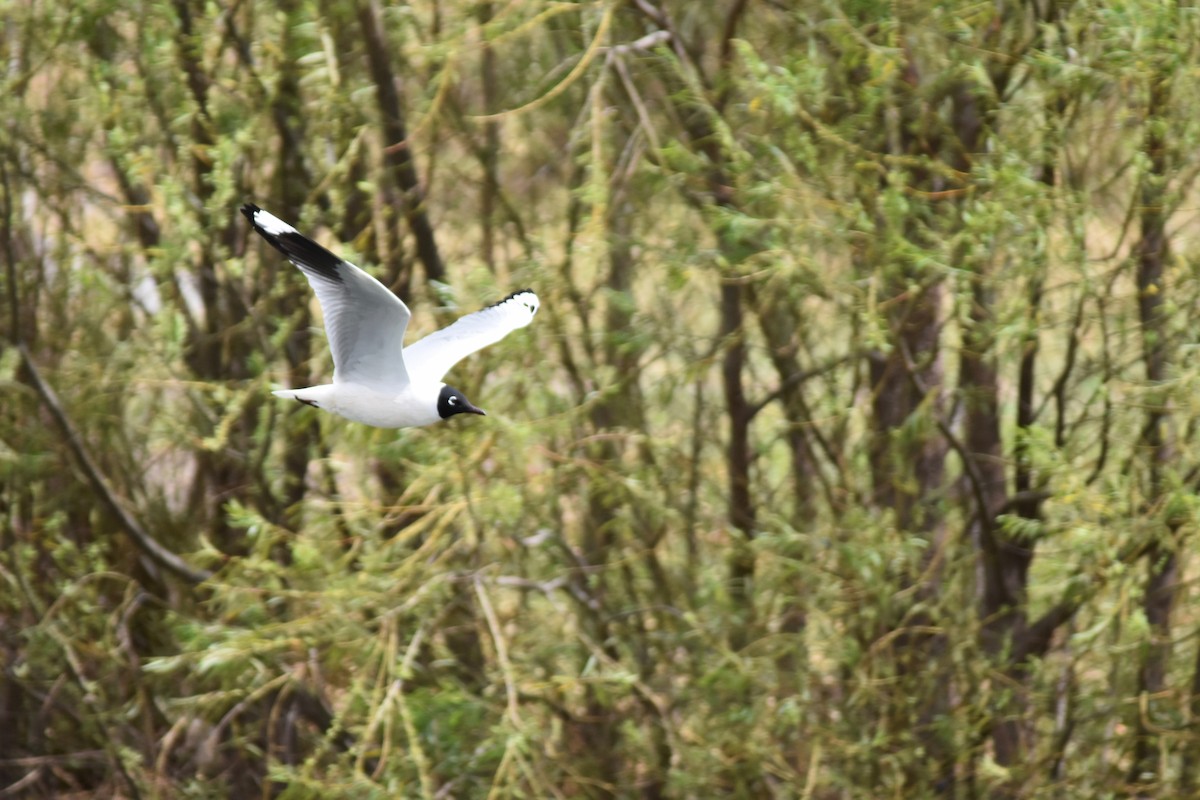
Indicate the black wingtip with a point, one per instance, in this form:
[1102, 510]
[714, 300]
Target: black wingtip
[302, 251]
[505, 299]
[249, 209]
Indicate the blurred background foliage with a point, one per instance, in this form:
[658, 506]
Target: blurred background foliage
[853, 453]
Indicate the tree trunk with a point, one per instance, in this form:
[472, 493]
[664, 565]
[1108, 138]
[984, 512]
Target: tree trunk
[287, 112]
[398, 149]
[1156, 440]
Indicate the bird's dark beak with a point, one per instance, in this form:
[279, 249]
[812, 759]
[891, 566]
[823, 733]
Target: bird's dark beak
[470, 409]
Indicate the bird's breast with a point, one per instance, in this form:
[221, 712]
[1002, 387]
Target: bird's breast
[404, 408]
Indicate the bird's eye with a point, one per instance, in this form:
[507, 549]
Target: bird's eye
[453, 401]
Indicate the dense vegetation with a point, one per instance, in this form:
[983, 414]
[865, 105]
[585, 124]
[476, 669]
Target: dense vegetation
[853, 453]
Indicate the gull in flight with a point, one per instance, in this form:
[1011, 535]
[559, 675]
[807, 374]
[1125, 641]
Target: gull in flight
[376, 379]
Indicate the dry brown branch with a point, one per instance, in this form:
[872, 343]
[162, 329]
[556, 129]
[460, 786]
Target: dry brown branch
[147, 544]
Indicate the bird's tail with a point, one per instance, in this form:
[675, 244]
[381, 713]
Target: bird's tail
[315, 396]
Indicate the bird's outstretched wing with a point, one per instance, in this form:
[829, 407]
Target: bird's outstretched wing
[364, 320]
[432, 357]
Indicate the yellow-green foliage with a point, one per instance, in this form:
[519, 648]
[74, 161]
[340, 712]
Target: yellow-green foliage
[781, 247]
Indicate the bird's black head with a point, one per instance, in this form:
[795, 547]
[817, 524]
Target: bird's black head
[451, 401]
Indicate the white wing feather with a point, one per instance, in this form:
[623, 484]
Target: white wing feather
[365, 323]
[432, 357]
[364, 320]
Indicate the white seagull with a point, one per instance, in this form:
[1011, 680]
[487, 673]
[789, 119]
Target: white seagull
[376, 380]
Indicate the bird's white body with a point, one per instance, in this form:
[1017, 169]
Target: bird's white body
[376, 380]
[411, 407]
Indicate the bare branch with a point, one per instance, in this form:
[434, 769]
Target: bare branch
[137, 534]
[398, 153]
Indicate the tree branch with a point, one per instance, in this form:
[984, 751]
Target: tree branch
[140, 537]
[398, 150]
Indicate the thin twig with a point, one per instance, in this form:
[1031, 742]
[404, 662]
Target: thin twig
[15, 789]
[510, 686]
